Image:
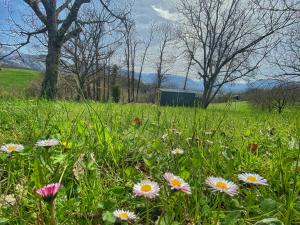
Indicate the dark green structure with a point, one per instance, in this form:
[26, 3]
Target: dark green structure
[177, 97]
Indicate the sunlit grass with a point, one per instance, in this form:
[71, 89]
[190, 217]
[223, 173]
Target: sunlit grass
[104, 152]
[15, 81]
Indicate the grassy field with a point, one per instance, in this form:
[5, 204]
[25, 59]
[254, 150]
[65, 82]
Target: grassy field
[15, 81]
[103, 153]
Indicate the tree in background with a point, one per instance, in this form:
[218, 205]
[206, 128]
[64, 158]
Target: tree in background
[56, 22]
[231, 37]
[115, 89]
[165, 36]
[278, 97]
[147, 44]
[85, 55]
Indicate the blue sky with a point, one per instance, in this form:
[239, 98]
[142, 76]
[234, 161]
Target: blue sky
[145, 13]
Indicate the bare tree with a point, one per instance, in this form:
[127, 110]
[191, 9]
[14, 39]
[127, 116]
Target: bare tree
[277, 97]
[84, 55]
[129, 39]
[143, 58]
[287, 55]
[57, 23]
[165, 36]
[279, 5]
[231, 37]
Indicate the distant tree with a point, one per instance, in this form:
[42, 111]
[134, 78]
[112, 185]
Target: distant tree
[277, 97]
[116, 93]
[85, 54]
[165, 35]
[129, 35]
[231, 37]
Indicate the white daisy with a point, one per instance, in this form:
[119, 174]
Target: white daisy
[47, 142]
[222, 185]
[124, 215]
[146, 188]
[177, 183]
[177, 151]
[252, 178]
[12, 148]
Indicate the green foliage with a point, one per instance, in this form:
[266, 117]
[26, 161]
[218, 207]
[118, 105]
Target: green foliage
[116, 92]
[103, 154]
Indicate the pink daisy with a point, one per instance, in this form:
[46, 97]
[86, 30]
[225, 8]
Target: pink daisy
[146, 188]
[177, 183]
[49, 192]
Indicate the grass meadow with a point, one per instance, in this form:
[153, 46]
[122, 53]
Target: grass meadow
[13, 81]
[105, 149]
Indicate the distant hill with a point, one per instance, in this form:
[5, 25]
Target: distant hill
[15, 81]
[22, 60]
[36, 62]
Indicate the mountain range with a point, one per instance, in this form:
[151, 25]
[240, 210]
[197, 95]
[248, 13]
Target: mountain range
[36, 62]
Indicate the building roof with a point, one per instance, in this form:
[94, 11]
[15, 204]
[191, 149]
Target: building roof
[178, 91]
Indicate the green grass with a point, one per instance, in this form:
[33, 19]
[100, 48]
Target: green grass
[113, 154]
[15, 81]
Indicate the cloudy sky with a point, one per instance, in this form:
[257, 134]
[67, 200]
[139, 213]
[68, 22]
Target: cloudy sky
[145, 12]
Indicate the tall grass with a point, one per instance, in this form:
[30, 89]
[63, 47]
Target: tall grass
[103, 154]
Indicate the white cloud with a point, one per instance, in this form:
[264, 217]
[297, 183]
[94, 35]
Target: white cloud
[166, 14]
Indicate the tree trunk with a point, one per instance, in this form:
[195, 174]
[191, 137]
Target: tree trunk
[49, 86]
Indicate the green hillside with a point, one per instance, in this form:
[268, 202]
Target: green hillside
[15, 81]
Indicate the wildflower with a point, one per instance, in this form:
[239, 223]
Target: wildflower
[177, 151]
[222, 185]
[47, 142]
[12, 148]
[146, 188]
[124, 215]
[49, 192]
[67, 145]
[252, 178]
[177, 183]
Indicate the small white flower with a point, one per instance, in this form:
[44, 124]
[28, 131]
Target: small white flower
[124, 215]
[7, 200]
[252, 178]
[177, 151]
[47, 142]
[222, 185]
[12, 148]
[146, 188]
[164, 137]
[177, 183]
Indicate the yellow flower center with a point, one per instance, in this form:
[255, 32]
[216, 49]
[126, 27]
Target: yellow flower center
[123, 216]
[11, 148]
[251, 179]
[175, 182]
[146, 188]
[221, 185]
